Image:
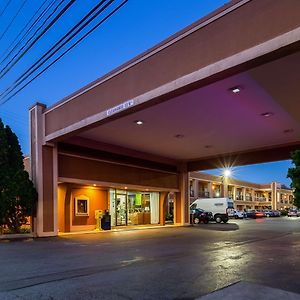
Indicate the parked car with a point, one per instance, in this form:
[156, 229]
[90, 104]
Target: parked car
[293, 213]
[255, 214]
[198, 215]
[259, 214]
[277, 213]
[269, 213]
[239, 214]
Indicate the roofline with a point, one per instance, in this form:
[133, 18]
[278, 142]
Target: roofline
[213, 16]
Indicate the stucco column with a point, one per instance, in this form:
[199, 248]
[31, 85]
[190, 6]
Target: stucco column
[274, 195]
[244, 193]
[225, 187]
[253, 194]
[183, 197]
[43, 160]
[163, 198]
[210, 190]
[234, 193]
[196, 188]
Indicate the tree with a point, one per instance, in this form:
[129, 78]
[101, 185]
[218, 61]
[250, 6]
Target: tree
[294, 174]
[18, 196]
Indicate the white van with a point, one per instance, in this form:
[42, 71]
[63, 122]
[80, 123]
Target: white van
[221, 208]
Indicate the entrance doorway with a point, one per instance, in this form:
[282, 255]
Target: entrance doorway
[133, 207]
[121, 209]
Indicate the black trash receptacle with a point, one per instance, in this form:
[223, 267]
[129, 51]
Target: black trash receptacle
[106, 222]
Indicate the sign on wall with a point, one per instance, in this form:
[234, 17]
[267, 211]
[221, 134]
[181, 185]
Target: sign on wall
[119, 107]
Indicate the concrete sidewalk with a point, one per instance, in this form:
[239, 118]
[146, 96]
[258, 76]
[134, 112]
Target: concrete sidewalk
[250, 291]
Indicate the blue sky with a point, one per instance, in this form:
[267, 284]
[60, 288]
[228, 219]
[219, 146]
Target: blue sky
[139, 25]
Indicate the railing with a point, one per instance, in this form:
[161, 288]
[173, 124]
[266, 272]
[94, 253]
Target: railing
[261, 199]
[203, 195]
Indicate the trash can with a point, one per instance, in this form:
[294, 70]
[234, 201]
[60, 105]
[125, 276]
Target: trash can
[106, 221]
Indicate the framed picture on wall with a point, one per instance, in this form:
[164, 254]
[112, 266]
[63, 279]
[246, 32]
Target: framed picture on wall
[82, 205]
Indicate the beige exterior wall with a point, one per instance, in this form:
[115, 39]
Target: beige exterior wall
[250, 23]
[153, 77]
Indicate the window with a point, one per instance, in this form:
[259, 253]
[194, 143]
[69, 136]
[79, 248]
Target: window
[81, 206]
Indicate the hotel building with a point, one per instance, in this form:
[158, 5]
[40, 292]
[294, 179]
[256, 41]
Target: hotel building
[246, 195]
[225, 88]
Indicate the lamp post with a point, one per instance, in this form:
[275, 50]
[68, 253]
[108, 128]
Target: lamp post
[226, 175]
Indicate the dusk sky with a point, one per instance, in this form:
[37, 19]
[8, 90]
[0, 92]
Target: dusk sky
[136, 27]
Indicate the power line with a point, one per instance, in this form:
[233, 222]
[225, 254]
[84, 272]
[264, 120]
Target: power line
[15, 59]
[13, 19]
[26, 33]
[65, 52]
[4, 9]
[83, 22]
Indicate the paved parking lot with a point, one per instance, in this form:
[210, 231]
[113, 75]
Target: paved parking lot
[164, 263]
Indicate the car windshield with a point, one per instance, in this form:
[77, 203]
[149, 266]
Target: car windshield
[230, 205]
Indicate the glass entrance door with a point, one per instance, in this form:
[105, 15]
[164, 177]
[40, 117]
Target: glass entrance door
[121, 210]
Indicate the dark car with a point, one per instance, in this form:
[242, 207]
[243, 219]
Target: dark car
[199, 215]
[255, 214]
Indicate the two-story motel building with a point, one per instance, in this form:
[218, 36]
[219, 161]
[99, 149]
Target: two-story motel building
[246, 195]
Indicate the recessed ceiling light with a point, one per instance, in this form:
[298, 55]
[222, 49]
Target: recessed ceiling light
[94, 184]
[179, 136]
[235, 89]
[267, 114]
[139, 122]
[290, 130]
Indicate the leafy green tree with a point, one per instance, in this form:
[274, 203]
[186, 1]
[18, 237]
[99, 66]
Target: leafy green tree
[18, 196]
[294, 174]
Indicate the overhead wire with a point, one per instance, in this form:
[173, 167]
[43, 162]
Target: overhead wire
[5, 7]
[15, 59]
[3, 100]
[12, 21]
[26, 33]
[88, 18]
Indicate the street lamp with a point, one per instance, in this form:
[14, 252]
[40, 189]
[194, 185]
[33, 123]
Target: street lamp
[227, 173]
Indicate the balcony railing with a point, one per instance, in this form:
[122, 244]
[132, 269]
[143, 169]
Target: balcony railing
[203, 195]
[261, 199]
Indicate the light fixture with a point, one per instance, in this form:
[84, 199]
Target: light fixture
[179, 136]
[94, 184]
[227, 173]
[125, 187]
[235, 89]
[139, 122]
[267, 114]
